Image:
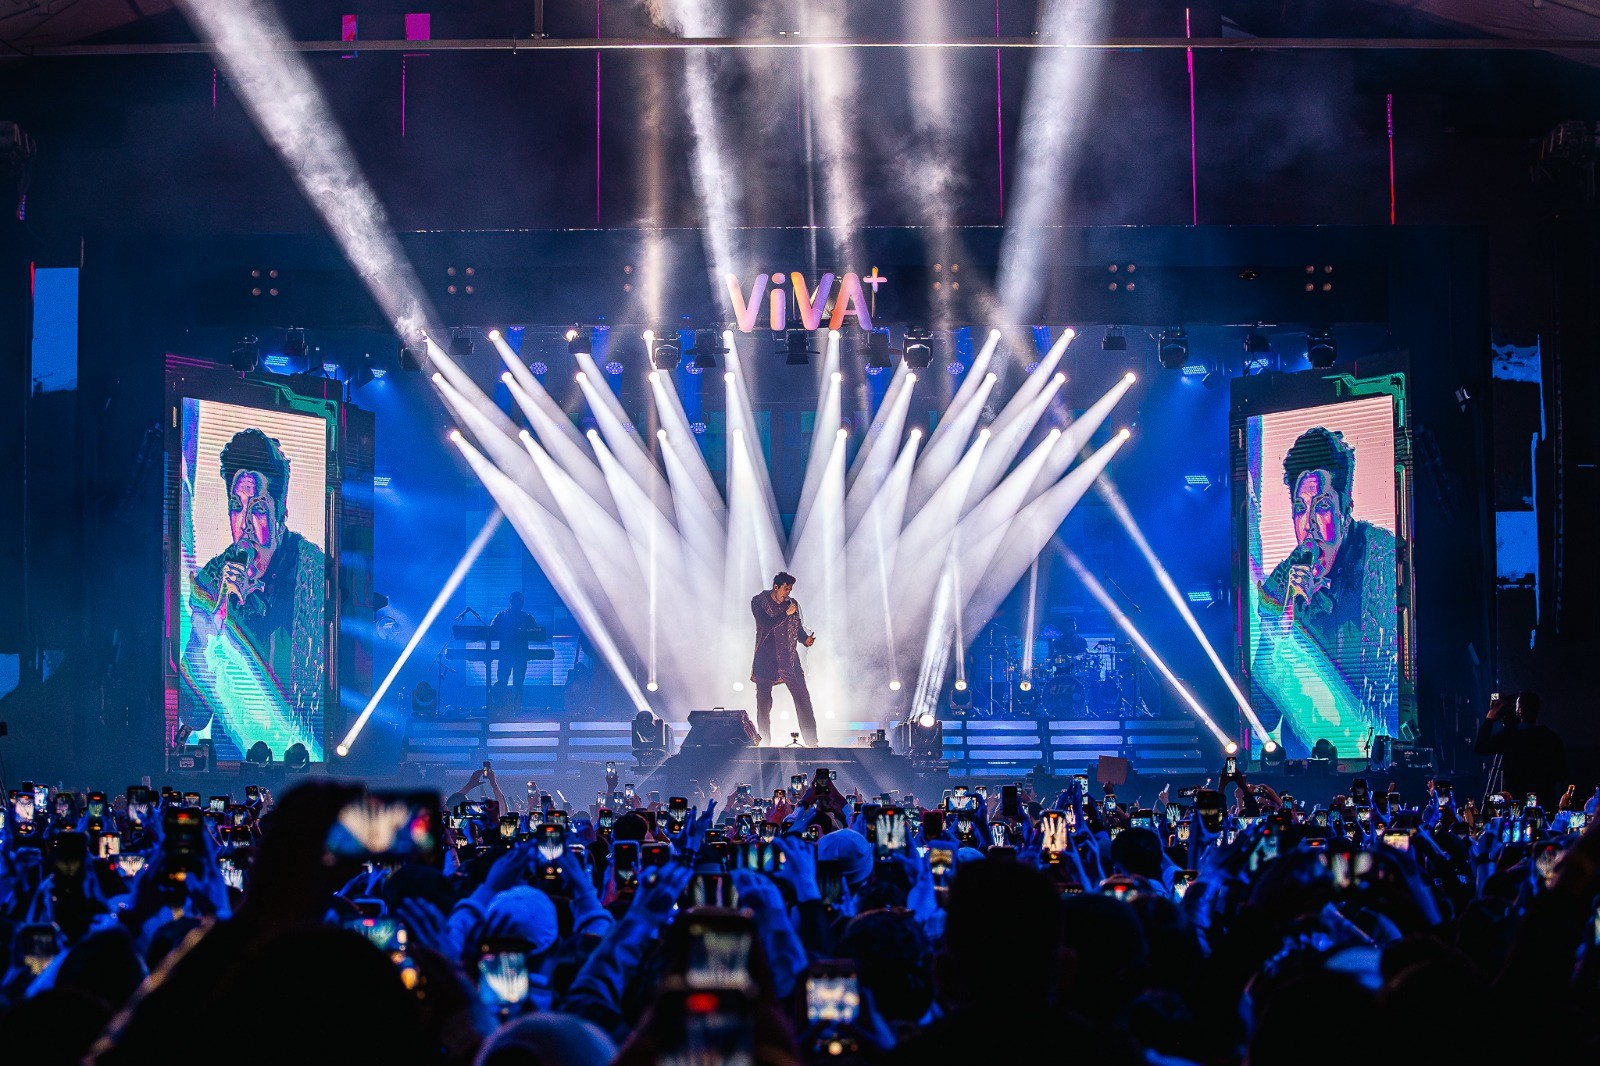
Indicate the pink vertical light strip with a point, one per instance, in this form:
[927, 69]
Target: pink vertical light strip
[597, 116]
[1388, 105]
[419, 27]
[213, 88]
[403, 62]
[1194, 155]
[999, 118]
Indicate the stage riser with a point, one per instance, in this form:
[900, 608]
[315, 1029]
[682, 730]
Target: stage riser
[982, 749]
[554, 745]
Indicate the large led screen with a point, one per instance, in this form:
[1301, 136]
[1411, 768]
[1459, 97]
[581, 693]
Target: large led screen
[249, 545]
[1321, 628]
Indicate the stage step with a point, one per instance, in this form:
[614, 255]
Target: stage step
[998, 748]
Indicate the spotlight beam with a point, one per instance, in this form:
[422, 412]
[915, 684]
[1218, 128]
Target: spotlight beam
[1126, 625]
[875, 457]
[626, 446]
[681, 439]
[1076, 436]
[1119, 507]
[541, 533]
[446, 591]
[829, 413]
[563, 448]
[946, 446]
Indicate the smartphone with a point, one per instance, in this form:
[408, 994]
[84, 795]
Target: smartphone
[830, 881]
[797, 783]
[1444, 790]
[551, 843]
[710, 889]
[769, 832]
[237, 815]
[1546, 857]
[191, 799]
[95, 805]
[1208, 801]
[1010, 802]
[22, 811]
[1053, 834]
[385, 934]
[704, 1026]
[218, 804]
[655, 854]
[129, 863]
[108, 846]
[625, 863]
[183, 843]
[35, 947]
[503, 979]
[387, 826]
[605, 818]
[68, 854]
[509, 825]
[677, 813]
[1230, 765]
[1577, 821]
[1391, 802]
[941, 863]
[833, 994]
[1398, 839]
[1143, 818]
[997, 833]
[744, 825]
[1181, 882]
[557, 816]
[252, 795]
[1182, 831]
[891, 832]
[1358, 792]
[932, 824]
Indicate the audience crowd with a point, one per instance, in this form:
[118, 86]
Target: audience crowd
[1219, 925]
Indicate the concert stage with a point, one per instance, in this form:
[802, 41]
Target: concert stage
[765, 770]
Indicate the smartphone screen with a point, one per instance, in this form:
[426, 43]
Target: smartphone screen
[797, 783]
[1143, 819]
[218, 804]
[551, 841]
[719, 951]
[385, 934]
[1053, 833]
[1230, 765]
[1208, 802]
[1010, 803]
[891, 832]
[833, 996]
[509, 825]
[1398, 839]
[387, 826]
[110, 844]
[1181, 882]
[503, 979]
[677, 812]
[941, 863]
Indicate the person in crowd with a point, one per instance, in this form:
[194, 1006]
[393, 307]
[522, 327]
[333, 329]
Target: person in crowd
[799, 929]
[1533, 760]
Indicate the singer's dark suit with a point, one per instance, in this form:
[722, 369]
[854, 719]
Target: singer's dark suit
[777, 662]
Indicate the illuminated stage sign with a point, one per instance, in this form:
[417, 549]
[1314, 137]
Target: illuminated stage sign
[851, 299]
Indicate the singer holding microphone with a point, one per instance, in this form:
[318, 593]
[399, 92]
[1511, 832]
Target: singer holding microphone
[780, 631]
[257, 636]
[1327, 624]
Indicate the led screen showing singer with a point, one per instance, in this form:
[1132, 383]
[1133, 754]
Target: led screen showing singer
[253, 662]
[1324, 654]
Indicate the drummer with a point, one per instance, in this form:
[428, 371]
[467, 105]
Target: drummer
[1068, 645]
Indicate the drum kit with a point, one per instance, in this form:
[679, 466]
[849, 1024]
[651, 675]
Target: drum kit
[1071, 677]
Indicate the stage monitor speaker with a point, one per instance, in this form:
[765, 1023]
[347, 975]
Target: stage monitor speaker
[198, 758]
[720, 728]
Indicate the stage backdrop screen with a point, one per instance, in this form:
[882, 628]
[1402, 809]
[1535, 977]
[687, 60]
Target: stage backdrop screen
[249, 541]
[1320, 623]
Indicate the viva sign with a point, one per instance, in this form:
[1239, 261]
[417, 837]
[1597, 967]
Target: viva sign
[851, 299]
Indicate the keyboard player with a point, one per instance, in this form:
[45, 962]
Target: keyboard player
[511, 630]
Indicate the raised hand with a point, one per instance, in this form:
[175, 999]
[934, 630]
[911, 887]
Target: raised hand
[658, 894]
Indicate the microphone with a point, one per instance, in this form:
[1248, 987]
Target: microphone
[1304, 554]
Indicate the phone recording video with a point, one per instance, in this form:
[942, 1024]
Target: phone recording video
[833, 994]
[677, 813]
[387, 827]
[625, 863]
[719, 943]
[503, 979]
[1053, 834]
[1208, 801]
[891, 836]
[550, 843]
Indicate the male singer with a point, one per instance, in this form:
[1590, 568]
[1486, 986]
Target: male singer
[1328, 639]
[777, 661]
[263, 596]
